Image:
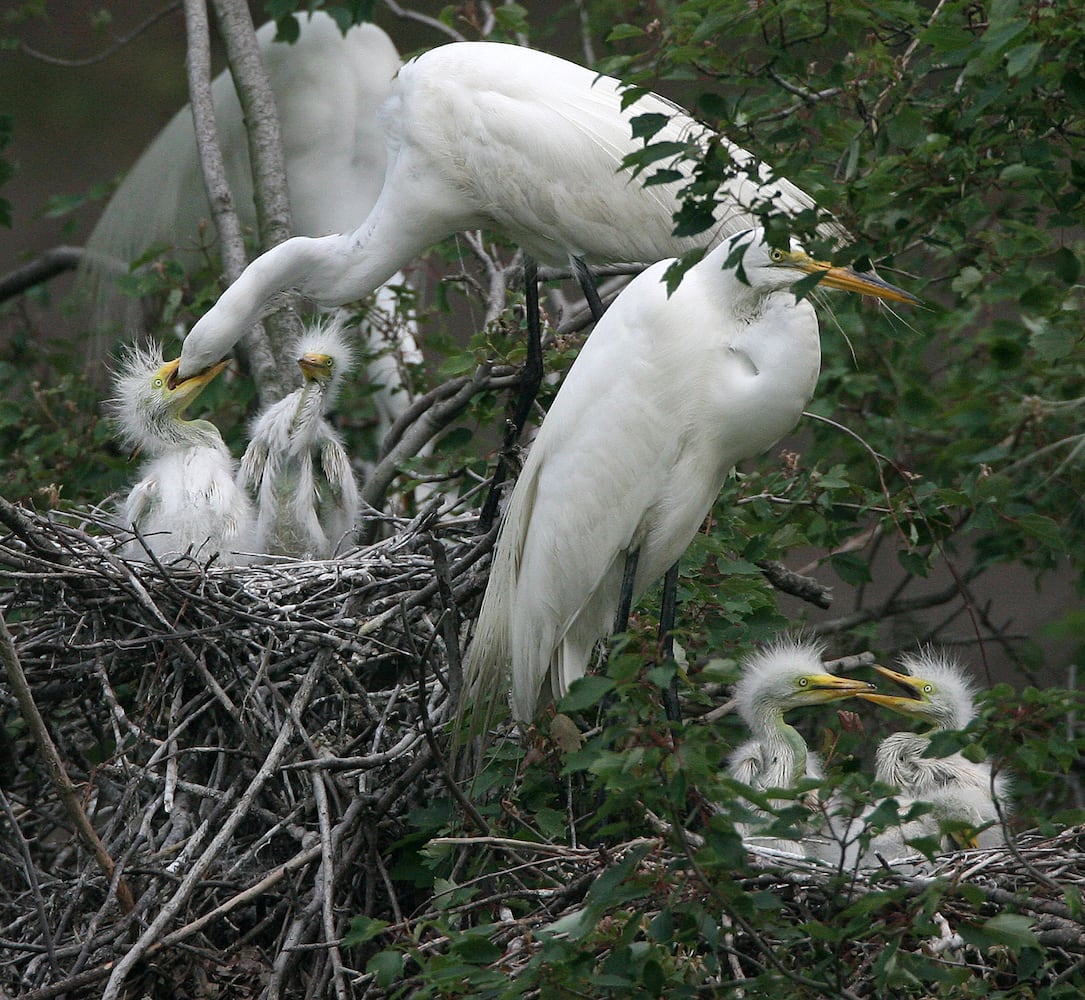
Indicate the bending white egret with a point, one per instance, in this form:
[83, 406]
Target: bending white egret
[483, 134]
[788, 674]
[327, 88]
[668, 393]
[959, 790]
[186, 500]
[296, 464]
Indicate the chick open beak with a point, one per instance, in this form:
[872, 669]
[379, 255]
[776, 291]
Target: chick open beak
[847, 280]
[910, 703]
[829, 687]
[185, 392]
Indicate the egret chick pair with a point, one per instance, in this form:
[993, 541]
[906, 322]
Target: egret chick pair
[790, 674]
[193, 499]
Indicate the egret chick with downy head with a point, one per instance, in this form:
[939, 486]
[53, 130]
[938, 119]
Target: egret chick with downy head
[186, 501]
[939, 694]
[786, 675]
[667, 395]
[296, 464]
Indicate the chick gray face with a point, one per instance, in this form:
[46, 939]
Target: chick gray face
[789, 675]
[936, 691]
[149, 404]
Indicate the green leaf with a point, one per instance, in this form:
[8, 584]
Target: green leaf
[362, 929]
[621, 32]
[387, 967]
[586, 692]
[1022, 60]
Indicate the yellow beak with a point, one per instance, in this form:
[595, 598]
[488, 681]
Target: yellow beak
[828, 687]
[847, 280]
[185, 392]
[904, 704]
[316, 366]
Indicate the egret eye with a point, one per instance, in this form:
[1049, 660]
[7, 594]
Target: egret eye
[803, 682]
[928, 689]
[776, 255]
[158, 382]
[329, 364]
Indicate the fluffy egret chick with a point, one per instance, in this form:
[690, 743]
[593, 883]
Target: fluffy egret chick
[186, 501]
[296, 464]
[788, 674]
[501, 137]
[666, 396]
[939, 694]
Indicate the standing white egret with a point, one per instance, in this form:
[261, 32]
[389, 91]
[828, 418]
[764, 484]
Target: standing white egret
[186, 501]
[327, 88]
[788, 674]
[958, 790]
[296, 464]
[483, 134]
[666, 396]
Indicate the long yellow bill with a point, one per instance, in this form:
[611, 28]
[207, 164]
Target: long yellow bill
[911, 704]
[847, 280]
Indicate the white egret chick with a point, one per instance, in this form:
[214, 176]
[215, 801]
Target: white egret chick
[939, 694]
[296, 464]
[186, 501]
[666, 396]
[496, 136]
[788, 674]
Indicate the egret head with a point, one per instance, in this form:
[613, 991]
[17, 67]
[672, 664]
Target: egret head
[789, 674]
[149, 405]
[936, 690]
[325, 356]
[766, 267]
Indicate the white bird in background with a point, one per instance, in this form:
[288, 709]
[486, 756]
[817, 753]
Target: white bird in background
[960, 791]
[786, 675]
[483, 134]
[186, 501]
[666, 396]
[296, 464]
[327, 89]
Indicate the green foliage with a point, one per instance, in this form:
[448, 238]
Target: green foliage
[944, 444]
[668, 916]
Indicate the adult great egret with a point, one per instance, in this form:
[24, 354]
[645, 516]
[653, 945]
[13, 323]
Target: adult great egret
[186, 500]
[958, 790]
[296, 464]
[484, 134]
[327, 88]
[666, 396]
[788, 674]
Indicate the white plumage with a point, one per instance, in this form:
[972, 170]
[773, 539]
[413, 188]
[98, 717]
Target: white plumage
[327, 89]
[186, 501]
[786, 675]
[958, 790]
[665, 397]
[482, 134]
[296, 464]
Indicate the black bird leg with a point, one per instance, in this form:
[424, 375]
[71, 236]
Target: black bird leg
[667, 611]
[587, 286]
[530, 380]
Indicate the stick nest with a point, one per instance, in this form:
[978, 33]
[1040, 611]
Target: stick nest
[247, 745]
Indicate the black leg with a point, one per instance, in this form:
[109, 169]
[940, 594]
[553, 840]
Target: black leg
[667, 612]
[625, 597]
[530, 380]
[587, 286]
